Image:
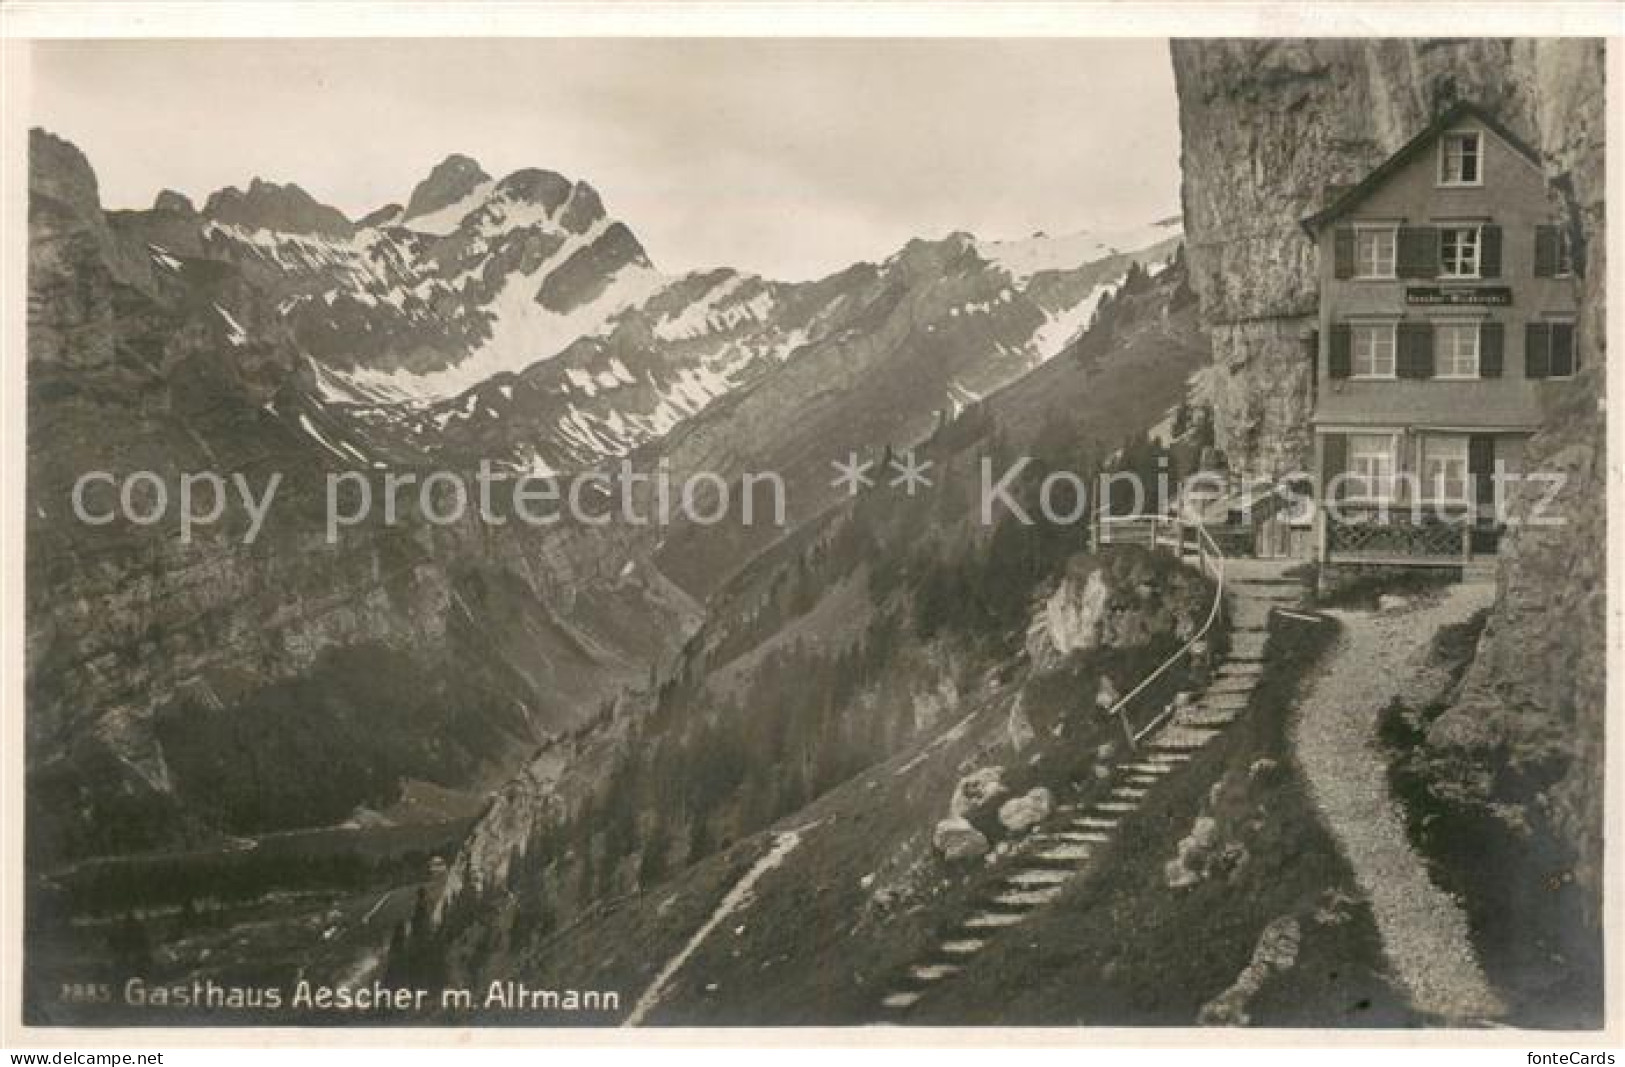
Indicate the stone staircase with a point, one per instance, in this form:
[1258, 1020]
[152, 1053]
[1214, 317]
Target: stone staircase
[1077, 836]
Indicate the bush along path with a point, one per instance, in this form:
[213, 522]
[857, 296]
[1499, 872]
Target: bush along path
[1075, 838]
[1423, 929]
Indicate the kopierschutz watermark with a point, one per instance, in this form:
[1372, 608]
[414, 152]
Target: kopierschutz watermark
[1019, 490]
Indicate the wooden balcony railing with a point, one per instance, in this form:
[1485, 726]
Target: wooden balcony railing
[1399, 536]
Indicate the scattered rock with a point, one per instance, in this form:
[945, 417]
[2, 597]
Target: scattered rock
[1391, 602]
[1022, 813]
[976, 790]
[1334, 909]
[958, 840]
[1262, 768]
[1189, 864]
[1276, 953]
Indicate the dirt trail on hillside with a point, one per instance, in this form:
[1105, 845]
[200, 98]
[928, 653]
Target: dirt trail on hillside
[1424, 932]
[736, 898]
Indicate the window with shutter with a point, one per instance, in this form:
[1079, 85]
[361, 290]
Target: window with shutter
[1489, 261]
[1372, 350]
[1418, 252]
[1546, 238]
[1537, 350]
[1457, 349]
[1481, 468]
[1374, 251]
[1340, 362]
[1460, 249]
[1415, 350]
[1334, 464]
[1343, 252]
[1491, 349]
[1564, 360]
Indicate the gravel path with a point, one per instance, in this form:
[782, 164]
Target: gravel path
[1424, 933]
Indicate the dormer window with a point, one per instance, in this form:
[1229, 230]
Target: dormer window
[1461, 159]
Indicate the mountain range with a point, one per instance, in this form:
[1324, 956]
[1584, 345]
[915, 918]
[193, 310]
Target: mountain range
[508, 320]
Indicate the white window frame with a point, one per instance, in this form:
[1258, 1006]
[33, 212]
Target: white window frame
[1373, 330]
[1368, 454]
[1445, 364]
[1477, 245]
[1444, 448]
[1446, 154]
[1362, 230]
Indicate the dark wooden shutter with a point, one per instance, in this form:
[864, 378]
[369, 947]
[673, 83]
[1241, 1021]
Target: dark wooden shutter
[1481, 467]
[1414, 358]
[1343, 252]
[1537, 350]
[1491, 349]
[1546, 239]
[1341, 362]
[1489, 252]
[1334, 460]
[1564, 358]
[1418, 252]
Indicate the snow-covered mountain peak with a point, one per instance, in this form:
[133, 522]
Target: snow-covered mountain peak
[1024, 257]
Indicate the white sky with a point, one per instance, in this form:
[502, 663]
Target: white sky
[791, 158]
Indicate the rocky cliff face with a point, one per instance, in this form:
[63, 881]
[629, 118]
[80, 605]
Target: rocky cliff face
[1266, 126]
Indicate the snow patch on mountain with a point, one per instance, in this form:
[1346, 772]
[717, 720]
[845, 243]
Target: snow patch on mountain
[706, 314]
[235, 334]
[1060, 328]
[1023, 258]
[523, 332]
[445, 220]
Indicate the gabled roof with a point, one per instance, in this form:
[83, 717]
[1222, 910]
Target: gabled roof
[1349, 197]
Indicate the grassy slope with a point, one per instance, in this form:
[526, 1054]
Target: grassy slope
[821, 938]
[1122, 949]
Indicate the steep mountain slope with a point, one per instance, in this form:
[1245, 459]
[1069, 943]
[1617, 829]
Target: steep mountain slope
[890, 627]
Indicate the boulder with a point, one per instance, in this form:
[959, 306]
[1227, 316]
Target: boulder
[1263, 767]
[958, 840]
[1189, 865]
[976, 790]
[1020, 814]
